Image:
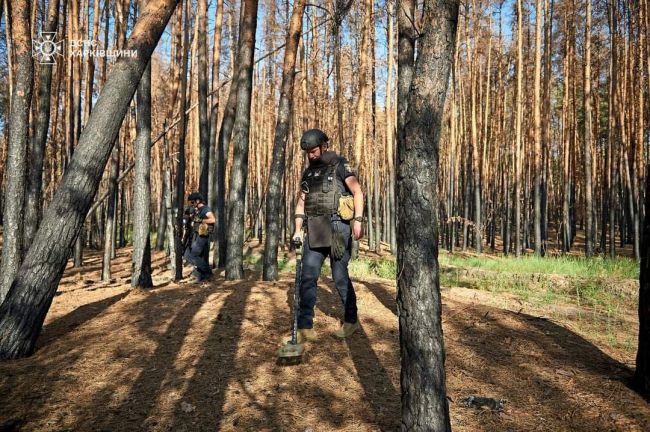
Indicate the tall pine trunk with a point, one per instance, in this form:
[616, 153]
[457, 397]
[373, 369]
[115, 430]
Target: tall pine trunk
[424, 398]
[23, 311]
[214, 110]
[182, 130]
[241, 134]
[277, 174]
[642, 371]
[518, 119]
[33, 197]
[223, 143]
[21, 99]
[537, 102]
[588, 129]
[141, 187]
[204, 126]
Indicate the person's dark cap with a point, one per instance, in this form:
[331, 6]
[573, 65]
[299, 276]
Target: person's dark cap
[313, 138]
[196, 196]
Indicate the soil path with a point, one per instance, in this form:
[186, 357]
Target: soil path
[192, 357]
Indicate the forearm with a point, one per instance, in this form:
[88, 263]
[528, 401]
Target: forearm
[299, 215]
[358, 203]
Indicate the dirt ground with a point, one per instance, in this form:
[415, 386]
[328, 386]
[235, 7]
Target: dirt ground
[201, 357]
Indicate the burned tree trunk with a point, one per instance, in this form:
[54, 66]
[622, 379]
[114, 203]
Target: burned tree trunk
[141, 187]
[223, 143]
[33, 198]
[204, 128]
[424, 399]
[241, 132]
[642, 372]
[274, 189]
[21, 99]
[23, 311]
[214, 109]
[182, 130]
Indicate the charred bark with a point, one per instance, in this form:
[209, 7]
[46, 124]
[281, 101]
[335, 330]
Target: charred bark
[23, 311]
[276, 175]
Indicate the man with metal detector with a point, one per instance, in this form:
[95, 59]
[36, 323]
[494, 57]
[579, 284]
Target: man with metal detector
[199, 241]
[330, 207]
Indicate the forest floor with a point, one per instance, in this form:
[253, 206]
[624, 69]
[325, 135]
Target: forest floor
[201, 357]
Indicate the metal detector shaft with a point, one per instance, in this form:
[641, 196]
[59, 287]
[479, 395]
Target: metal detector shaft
[296, 290]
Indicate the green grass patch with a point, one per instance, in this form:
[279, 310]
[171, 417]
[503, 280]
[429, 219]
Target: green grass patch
[619, 267]
[382, 268]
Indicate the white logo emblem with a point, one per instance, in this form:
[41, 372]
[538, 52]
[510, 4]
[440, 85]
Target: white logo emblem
[45, 48]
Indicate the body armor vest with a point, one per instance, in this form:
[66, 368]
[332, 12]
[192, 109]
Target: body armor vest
[322, 189]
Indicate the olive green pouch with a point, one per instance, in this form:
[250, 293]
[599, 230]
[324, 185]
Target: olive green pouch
[203, 229]
[346, 207]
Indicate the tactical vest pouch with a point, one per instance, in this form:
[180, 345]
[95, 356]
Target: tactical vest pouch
[346, 207]
[203, 230]
[319, 230]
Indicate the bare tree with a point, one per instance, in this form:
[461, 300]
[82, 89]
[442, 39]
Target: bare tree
[182, 129]
[241, 133]
[33, 197]
[518, 119]
[537, 125]
[21, 99]
[204, 126]
[141, 187]
[277, 173]
[642, 371]
[424, 398]
[24, 309]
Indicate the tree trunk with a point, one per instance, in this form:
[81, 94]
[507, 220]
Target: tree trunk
[204, 126]
[23, 311]
[182, 130]
[162, 215]
[241, 133]
[390, 134]
[537, 102]
[424, 399]
[223, 143]
[21, 99]
[111, 214]
[642, 372]
[277, 173]
[141, 188]
[518, 119]
[169, 206]
[33, 197]
[360, 106]
[214, 112]
[588, 129]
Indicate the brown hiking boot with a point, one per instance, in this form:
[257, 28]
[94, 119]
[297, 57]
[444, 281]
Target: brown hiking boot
[346, 330]
[303, 335]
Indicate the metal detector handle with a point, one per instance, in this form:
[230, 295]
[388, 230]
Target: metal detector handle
[297, 243]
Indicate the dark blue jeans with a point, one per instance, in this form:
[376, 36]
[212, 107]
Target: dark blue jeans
[312, 261]
[195, 255]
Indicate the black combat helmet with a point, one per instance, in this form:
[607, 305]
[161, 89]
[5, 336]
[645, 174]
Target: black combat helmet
[196, 196]
[313, 138]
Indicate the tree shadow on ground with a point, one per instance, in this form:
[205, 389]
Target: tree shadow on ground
[387, 299]
[206, 389]
[167, 380]
[69, 322]
[380, 392]
[545, 370]
[551, 377]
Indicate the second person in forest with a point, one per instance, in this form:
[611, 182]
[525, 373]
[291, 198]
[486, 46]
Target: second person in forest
[198, 243]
